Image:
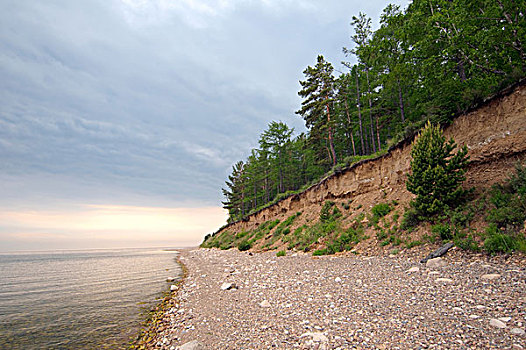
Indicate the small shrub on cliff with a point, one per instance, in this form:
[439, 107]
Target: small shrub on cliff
[436, 173]
[244, 245]
[281, 253]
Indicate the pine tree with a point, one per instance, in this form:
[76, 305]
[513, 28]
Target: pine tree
[436, 173]
[318, 92]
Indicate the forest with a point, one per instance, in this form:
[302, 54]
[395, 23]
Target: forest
[429, 62]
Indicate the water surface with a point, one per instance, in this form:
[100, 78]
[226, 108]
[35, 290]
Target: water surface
[79, 299]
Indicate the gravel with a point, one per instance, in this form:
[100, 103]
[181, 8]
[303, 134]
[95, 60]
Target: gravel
[345, 302]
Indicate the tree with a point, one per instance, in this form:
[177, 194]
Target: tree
[318, 92]
[436, 173]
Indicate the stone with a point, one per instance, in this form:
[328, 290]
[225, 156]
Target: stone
[264, 303]
[413, 269]
[192, 345]
[490, 276]
[505, 319]
[227, 286]
[497, 323]
[173, 287]
[518, 331]
[170, 279]
[337, 280]
[444, 280]
[316, 337]
[435, 263]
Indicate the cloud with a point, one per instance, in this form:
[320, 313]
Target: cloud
[148, 102]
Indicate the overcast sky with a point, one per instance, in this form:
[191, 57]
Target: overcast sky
[118, 113]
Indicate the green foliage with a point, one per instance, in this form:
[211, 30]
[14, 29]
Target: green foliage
[445, 232]
[325, 212]
[281, 253]
[319, 252]
[379, 211]
[498, 242]
[410, 219]
[244, 245]
[466, 242]
[436, 173]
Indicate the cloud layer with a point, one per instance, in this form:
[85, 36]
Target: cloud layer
[149, 102]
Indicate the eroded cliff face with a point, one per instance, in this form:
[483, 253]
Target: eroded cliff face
[494, 133]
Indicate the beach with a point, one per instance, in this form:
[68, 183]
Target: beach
[241, 300]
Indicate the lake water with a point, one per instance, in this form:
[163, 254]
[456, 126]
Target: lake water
[79, 299]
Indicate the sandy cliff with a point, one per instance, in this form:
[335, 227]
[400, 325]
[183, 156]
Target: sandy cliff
[495, 134]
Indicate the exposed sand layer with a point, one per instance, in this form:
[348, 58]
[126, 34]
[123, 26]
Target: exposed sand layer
[346, 302]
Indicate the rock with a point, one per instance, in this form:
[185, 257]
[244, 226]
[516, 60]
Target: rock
[316, 337]
[490, 276]
[227, 286]
[444, 280]
[173, 287]
[413, 269]
[192, 345]
[337, 280]
[497, 323]
[264, 303]
[436, 262]
[439, 252]
[474, 317]
[518, 331]
[170, 279]
[505, 319]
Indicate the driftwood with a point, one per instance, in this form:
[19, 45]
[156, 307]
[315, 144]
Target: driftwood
[439, 252]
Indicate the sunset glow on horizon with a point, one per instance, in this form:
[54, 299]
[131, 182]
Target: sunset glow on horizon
[107, 226]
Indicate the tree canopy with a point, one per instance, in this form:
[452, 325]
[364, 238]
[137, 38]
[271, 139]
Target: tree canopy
[431, 61]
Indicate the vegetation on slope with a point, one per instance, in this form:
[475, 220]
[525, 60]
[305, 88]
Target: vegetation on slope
[430, 61]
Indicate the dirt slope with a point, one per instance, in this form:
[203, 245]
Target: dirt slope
[495, 134]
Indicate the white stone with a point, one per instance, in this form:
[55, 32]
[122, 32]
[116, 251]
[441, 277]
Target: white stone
[264, 303]
[474, 317]
[497, 323]
[337, 280]
[505, 319]
[444, 280]
[227, 286]
[192, 345]
[170, 279]
[413, 269]
[173, 287]
[490, 276]
[316, 337]
[518, 331]
[436, 262]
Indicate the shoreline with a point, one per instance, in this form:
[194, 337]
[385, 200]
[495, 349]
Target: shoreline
[155, 317]
[343, 302]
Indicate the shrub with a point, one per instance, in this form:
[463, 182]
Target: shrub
[498, 242]
[281, 253]
[409, 220]
[319, 252]
[436, 173]
[445, 232]
[325, 213]
[244, 245]
[381, 210]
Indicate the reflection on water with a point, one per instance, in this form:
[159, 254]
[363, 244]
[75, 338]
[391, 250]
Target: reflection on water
[79, 300]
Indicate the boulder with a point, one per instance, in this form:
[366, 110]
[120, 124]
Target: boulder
[435, 263]
[497, 323]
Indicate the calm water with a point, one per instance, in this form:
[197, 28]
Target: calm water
[79, 300]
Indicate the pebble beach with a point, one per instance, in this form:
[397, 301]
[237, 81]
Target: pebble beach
[240, 300]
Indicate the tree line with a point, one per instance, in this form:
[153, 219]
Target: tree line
[431, 61]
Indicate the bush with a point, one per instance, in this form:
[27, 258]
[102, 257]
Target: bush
[436, 173]
[409, 220]
[381, 210]
[281, 253]
[319, 252]
[244, 245]
[499, 242]
[325, 212]
[445, 232]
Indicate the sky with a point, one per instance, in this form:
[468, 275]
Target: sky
[120, 119]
